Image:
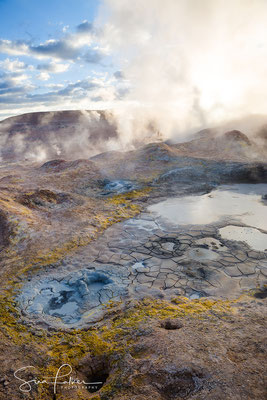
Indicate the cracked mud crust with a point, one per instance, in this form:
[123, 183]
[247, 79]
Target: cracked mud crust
[138, 259]
[91, 277]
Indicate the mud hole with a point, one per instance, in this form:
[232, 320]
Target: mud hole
[261, 294]
[173, 383]
[78, 296]
[171, 324]
[117, 186]
[166, 247]
[95, 370]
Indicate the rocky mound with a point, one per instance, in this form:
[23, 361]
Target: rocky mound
[62, 165]
[44, 198]
[231, 145]
[191, 161]
[59, 134]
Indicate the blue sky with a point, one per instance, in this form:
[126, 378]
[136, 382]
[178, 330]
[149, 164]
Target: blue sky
[39, 20]
[51, 57]
[184, 63]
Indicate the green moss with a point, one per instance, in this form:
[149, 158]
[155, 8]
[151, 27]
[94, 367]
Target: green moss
[121, 207]
[116, 337]
[126, 198]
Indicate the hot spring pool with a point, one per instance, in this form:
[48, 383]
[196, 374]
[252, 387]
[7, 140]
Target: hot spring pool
[239, 203]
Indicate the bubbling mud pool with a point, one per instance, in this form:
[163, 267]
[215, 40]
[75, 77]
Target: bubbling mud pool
[71, 298]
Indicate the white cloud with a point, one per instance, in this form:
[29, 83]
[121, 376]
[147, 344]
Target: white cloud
[14, 48]
[53, 67]
[12, 66]
[18, 78]
[71, 47]
[80, 92]
[54, 86]
[43, 76]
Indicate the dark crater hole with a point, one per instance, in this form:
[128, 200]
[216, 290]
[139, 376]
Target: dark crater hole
[95, 371]
[261, 294]
[171, 324]
[173, 383]
[97, 380]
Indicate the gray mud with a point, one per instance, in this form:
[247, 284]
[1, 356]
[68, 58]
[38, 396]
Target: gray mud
[152, 256]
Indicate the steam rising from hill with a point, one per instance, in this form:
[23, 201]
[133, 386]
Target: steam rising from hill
[188, 64]
[59, 134]
[185, 65]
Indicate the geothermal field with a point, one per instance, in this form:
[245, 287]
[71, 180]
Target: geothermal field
[144, 270]
[133, 200]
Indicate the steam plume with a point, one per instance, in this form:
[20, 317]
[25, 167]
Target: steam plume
[189, 64]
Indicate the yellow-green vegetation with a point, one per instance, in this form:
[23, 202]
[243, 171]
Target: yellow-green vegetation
[124, 208]
[9, 205]
[160, 309]
[116, 336]
[126, 198]
[52, 349]
[119, 208]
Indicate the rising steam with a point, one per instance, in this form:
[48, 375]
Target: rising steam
[189, 64]
[183, 65]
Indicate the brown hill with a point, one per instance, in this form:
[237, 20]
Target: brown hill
[61, 134]
[72, 135]
[232, 145]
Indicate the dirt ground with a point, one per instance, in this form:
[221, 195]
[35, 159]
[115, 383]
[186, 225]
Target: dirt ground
[55, 218]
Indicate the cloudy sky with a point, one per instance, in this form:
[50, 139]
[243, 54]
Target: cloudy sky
[51, 57]
[177, 65]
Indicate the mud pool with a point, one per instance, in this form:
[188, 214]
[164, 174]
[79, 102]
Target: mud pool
[253, 237]
[188, 246]
[118, 187]
[241, 202]
[76, 296]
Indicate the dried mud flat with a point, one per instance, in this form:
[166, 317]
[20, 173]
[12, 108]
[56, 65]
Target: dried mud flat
[105, 267]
